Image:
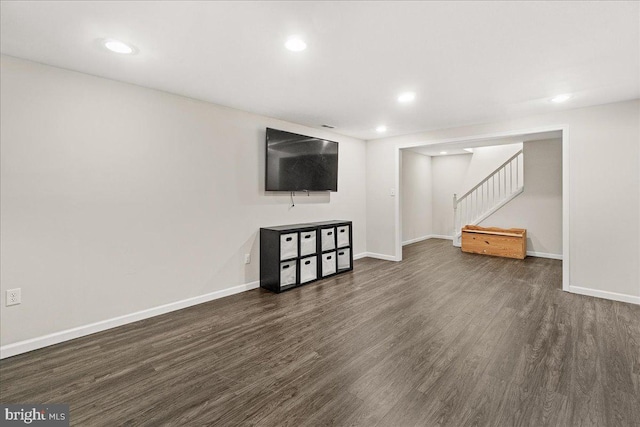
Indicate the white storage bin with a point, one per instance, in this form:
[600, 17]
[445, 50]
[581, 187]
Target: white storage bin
[328, 263]
[288, 245]
[343, 236]
[287, 273]
[308, 243]
[308, 269]
[328, 238]
[344, 258]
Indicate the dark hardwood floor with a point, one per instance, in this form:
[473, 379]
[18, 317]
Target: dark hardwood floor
[442, 338]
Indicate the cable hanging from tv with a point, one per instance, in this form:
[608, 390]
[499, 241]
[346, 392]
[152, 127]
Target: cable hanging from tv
[293, 193]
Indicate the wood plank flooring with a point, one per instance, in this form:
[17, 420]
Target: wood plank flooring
[442, 338]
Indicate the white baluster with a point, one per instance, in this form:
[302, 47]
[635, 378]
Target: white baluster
[455, 214]
[485, 198]
[493, 185]
[510, 178]
[505, 182]
[488, 200]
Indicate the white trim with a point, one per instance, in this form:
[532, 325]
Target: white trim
[605, 294]
[566, 271]
[359, 256]
[81, 331]
[529, 253]
[441, 236]
[380, 256]
[427, 237]
[544, 255]
[416, 240]
[398, 212]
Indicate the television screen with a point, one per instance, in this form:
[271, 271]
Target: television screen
[300, 163]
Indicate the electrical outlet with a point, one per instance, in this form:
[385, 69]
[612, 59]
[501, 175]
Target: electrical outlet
[14, 296]
[247, 258]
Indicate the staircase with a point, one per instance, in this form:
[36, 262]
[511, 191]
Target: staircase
[496, 190]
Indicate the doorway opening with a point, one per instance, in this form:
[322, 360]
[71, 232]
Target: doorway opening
[532, 164]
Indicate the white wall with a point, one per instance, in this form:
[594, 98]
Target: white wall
[117, 198]
[380, 182]
[416, 196]
[539, 207]
[604, 191]
[449, 177]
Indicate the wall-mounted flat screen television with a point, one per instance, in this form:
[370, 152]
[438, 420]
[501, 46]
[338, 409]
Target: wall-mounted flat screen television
[300, 163]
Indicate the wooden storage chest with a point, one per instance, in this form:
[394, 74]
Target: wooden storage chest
[504, 242]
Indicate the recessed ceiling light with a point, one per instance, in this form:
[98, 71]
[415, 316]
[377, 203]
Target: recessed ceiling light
[381, 129]
[118, 47]
[295, 44]
[406, 97]
[443, 152]
[560, 98]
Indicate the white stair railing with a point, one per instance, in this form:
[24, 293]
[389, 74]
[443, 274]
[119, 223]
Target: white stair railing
[493, 192]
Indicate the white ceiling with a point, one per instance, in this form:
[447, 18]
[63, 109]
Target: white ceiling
[468, 62]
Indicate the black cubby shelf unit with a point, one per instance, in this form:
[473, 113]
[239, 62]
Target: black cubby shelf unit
[294, 255]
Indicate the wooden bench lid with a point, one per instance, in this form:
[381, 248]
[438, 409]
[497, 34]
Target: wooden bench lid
[515, 232]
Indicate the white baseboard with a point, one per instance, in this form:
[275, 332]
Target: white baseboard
[69, 334]
[359, 256]
[80, 331]
[440, 236]
[380, 256]
[427, 237]
[416, 240]
[544, 255]
[605, 294]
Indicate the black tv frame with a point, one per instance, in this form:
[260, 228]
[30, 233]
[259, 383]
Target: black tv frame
[266, 153]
